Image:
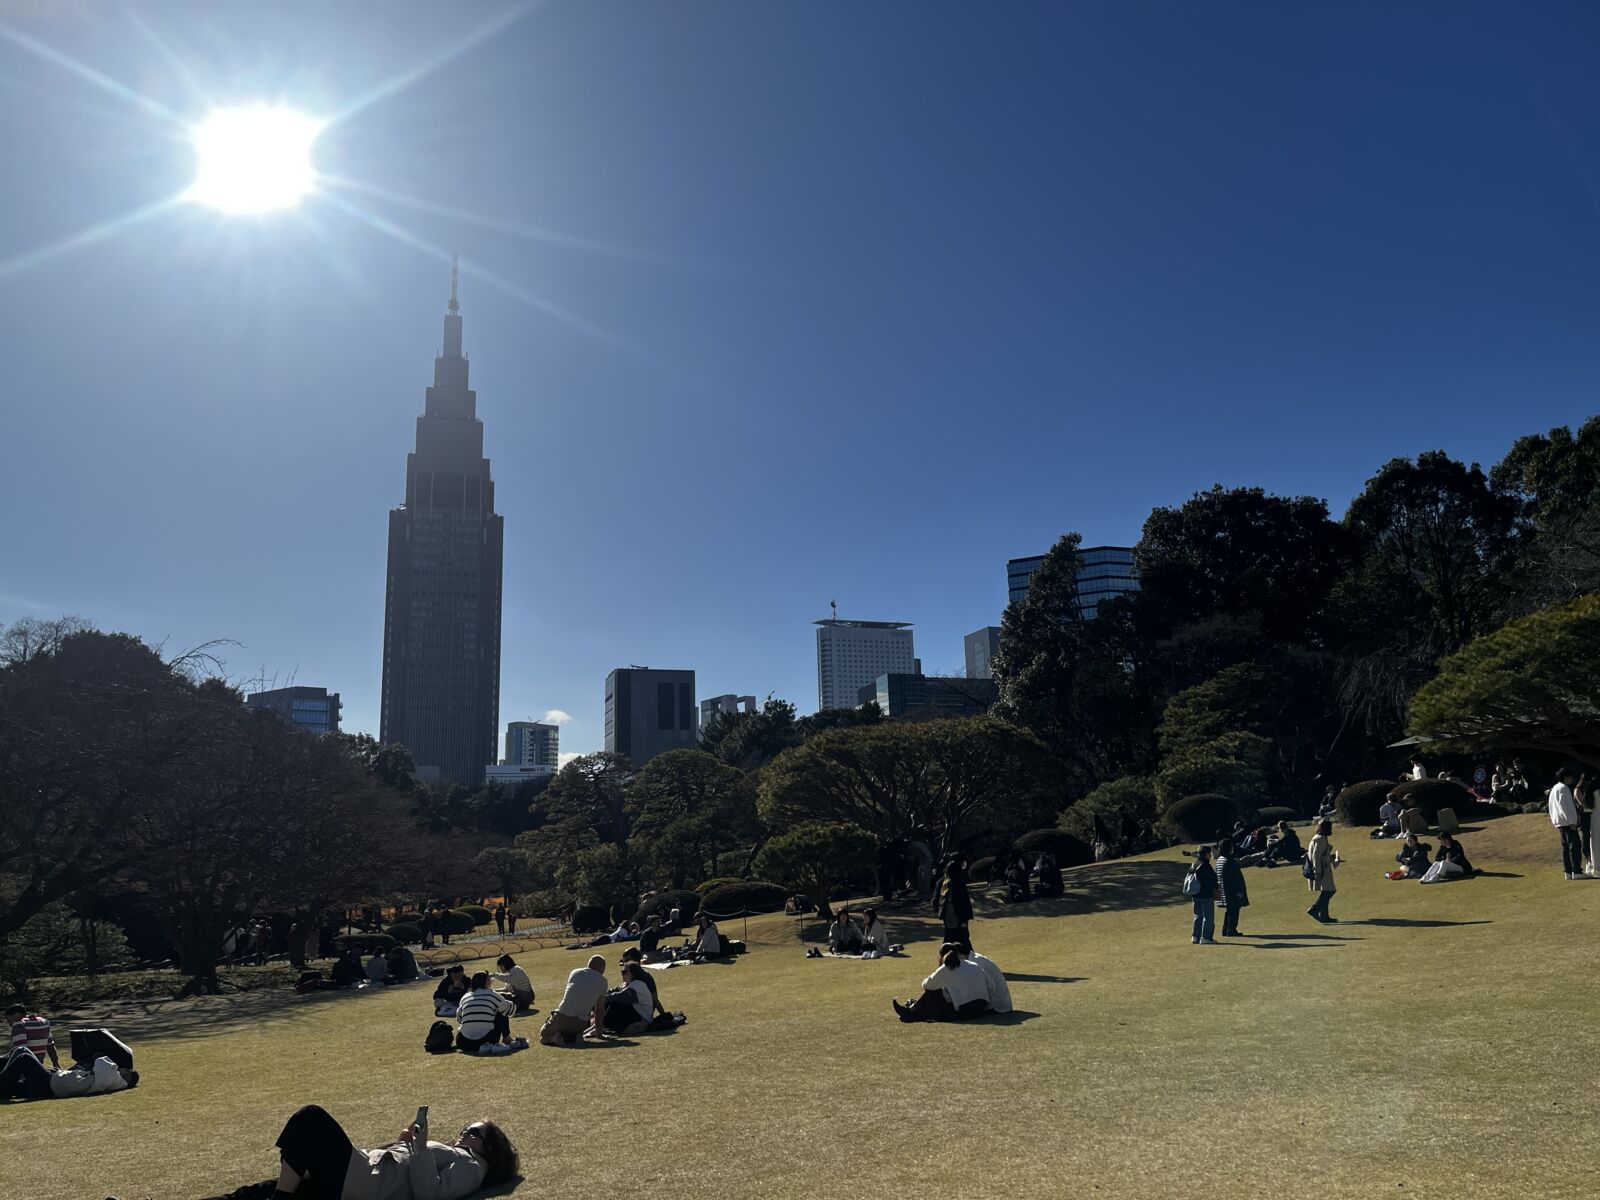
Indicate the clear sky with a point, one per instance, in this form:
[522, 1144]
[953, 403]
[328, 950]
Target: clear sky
[768, 304]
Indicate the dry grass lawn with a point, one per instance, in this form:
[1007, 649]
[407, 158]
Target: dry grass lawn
[1438, 1042]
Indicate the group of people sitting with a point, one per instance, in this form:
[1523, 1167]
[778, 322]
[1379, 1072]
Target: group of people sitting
[1265, 845]
[591, 1008]
[1043, 880]
[966, 984]
[847, 939]
[454, 987]
[1414, 859]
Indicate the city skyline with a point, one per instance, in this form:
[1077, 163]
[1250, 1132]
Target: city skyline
[740, 349]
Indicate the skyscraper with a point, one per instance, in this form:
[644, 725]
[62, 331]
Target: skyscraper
[533, 744]
[649, 712]
[313, 709]
[1104, 572]
[852, 654]
[981, 646]
[441, 623]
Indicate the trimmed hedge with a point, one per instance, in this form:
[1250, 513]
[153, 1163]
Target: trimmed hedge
[1198, 818]
[1274, 813]
[756, 895]
[712, 885]
[405, 933]
[1358, 804]
[591, 918]
[662, 903]
[458, 921]
[364, 943]
[1070, 851]
[982, 869]
[1428, 796]
[478, 913]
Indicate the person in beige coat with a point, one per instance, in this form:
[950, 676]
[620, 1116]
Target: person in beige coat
[1320, 861]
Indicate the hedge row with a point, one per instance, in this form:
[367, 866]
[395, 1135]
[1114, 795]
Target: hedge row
[753, 895]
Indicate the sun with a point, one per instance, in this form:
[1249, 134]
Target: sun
[254, 160]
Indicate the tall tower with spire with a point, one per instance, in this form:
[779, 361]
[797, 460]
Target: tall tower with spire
[441, 622]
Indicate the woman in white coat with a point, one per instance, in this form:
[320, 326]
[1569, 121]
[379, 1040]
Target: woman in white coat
[1320, 860]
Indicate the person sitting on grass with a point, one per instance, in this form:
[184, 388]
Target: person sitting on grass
[32, 1031]
[402, 965]
[1414, 858]
[1285, 847]
[650, 939]
[707, 942]
[516, 980]
[1451, 862]
[844, 938]
[24, 1076]
[955, 991]
[630, 1007]
[347, 971]
[1017, 889]
[378, 968]
[483, 1017]
[1049, 872]
[998, 989]
[452, 988]
[875, 938]
[317, 1160]
[634, 955]
[582, 1009]
[1388, 818]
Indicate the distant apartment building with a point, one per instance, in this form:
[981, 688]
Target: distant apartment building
[931, 695]
[981, 647]
[729, 706]
[649, 712]
[852, 654]
[315, 710]
[532, 744]
[1104, 572]
[511, 774]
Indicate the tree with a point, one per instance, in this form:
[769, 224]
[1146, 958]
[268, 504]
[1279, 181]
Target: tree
[817, 858]
[691, 806]
[508, 869]
[1526, 686]
[591, 792]
[1233, 765]
[1553, 480]
[1119, 814]
[750, 740]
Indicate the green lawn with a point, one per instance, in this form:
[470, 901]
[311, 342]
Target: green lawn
[1439, 1041]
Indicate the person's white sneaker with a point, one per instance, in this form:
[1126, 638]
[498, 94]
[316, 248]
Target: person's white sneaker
[1208, 941]
[1570, 875]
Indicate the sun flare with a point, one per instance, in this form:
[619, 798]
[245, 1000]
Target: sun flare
[254, 160]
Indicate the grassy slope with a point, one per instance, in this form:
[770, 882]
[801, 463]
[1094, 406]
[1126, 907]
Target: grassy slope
[1437, 1042]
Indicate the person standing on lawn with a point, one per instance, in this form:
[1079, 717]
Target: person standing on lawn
[1320, 860]
[1230, 888]
[1204, 895]
[1564, 816]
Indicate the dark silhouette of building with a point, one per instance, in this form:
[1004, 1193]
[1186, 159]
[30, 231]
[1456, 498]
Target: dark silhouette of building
[316, 710]
[441, 626]
[649, 712]
[1104, 573]
[916, 695]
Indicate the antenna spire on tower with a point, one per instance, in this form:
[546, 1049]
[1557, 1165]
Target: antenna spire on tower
[454, 307]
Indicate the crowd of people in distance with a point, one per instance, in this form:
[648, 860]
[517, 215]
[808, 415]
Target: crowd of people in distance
[23, 1075]
[1042, 881]
[965, 984]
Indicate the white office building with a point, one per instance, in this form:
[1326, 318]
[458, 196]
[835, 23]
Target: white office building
[729, 705]
[852, 654]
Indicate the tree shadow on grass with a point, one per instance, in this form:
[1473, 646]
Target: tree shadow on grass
[1106, 887]
[1413, 923]
[1017, 977]
[212, 1016]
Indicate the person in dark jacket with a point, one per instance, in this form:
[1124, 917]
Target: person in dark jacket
[1205, 898]
[347, 971]
[1230, 888]
[955, 902]
[1285, 847]
[1414, 857]
[451, 988]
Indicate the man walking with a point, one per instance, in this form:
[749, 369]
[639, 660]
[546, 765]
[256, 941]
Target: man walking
[1564, 816]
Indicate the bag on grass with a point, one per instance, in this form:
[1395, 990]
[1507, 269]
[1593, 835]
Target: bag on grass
[441, 1038]
[1191, 884]
[90, 1044]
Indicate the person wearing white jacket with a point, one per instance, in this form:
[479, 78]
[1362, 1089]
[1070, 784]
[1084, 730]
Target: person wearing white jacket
[999, 989]
[1564, 816]
[23, 1075]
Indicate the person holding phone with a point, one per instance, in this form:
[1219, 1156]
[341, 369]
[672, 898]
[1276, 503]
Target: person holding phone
[319, 1162]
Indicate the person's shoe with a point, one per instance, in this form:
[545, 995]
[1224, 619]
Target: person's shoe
[902, 1010]
[1312, 913]
[1570, 875]
[1208, 941]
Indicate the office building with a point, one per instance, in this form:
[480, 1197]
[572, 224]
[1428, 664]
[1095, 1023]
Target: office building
[511, 775]
[315, 710]
[649, 712]
[981, 648]
[729, 705]
[1104, 572]
[532, 744]
[919, 695]
[441, 625]
[852, 654]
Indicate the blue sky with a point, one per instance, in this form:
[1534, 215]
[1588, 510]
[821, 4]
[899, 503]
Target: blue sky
[768, 304]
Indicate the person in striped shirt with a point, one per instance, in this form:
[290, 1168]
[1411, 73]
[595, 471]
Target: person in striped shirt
[32, 1032]
[483, 1016]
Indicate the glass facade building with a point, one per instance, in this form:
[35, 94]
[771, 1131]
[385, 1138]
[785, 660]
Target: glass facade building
[1104, 572]
[315, 710]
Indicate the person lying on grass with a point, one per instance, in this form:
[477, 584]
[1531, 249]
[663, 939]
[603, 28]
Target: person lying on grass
[24, 1076]
[317, 1161]
[955, 991]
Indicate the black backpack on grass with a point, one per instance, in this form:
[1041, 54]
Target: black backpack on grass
[441, 1038]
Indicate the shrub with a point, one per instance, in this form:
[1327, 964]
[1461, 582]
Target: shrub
[1198, 818]
[458, 921]
[1428, 796]
[982, 869]
[590, 918]
[1131, 796]
[712, 885]
[1358, 804]
[364, 943]
[1070, 851]
[405, 933]
[1535, 807]
[754, 895]
[548, 903]
[1488, 811]
[479, 914]
[1272, 814]
[662, 903]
